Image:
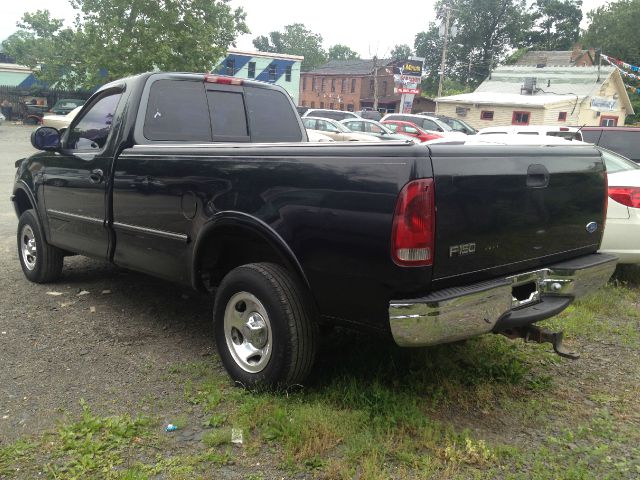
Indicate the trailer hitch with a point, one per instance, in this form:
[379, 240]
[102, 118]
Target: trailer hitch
[532, 333]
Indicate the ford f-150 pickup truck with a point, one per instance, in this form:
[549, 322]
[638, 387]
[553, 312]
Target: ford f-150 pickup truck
[209, 181]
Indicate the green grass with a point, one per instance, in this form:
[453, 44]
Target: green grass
[485, 408]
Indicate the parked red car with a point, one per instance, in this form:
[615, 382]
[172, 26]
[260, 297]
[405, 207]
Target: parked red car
[409, 129]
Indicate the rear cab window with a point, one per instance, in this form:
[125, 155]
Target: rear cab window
[191, 110]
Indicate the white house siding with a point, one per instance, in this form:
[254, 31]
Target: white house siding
[502, 114]
[587, 116]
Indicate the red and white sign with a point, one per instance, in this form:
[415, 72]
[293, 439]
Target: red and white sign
[410, 91]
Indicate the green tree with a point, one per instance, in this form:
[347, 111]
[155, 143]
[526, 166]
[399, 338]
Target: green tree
[342, 52]
[483, 32]
[614, 27]
[296, 39]
[401, 52]
[43, 44]
[115, 38]
[556, 24]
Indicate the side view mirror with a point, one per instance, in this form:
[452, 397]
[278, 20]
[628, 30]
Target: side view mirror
[46, 138]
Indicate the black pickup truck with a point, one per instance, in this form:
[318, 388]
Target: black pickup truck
[210, 181]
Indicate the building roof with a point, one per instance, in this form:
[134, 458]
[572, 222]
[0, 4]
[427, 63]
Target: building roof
[555, 58]
[492, 98]
[349, 67]
[557, 80]
[553, 85]
[254, 53]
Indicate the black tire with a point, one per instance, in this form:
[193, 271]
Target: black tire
[41, 262]
[291, 332]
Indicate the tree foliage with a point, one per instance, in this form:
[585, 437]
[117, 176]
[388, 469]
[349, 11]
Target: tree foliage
[401, 52]
[556, 24]
[116, 38]
[295, 39]
[342, 52]
[614, 27]
[486, 31]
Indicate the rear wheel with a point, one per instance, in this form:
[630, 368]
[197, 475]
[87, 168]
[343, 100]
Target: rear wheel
[41, 262]
[264, 329]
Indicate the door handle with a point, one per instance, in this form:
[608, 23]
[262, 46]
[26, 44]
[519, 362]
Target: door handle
[537, 176]
[96, 176]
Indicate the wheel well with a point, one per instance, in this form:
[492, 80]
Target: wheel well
[226, 248]
[22, 202]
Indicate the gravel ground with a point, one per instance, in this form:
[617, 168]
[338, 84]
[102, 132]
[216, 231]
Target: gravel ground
[54, 350]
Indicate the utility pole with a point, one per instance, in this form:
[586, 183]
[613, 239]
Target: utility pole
[469, 72]
[375, 82]
[444, 49]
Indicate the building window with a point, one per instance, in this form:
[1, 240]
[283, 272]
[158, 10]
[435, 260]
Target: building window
[333, 84]
[331, 106]
[287, 73]
[371, 86]
[272, 73]
[313, 84]
[384, 88]
[304, 83]
[520, 118]
[343, 85]
[562, 116]
[350, 106]
[322, 85]
[252, 70]
[342, 106]
[486, 115]
[304, 104]
[231, 67]
[353, 85]
[313, 105]
[607, 121]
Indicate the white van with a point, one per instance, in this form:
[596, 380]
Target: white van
[569, 133]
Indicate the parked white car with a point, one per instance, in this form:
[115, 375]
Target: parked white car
[335, 130]
[60, 122]
[569, 133]
[2, 119]
[315, 136]
[622, 229]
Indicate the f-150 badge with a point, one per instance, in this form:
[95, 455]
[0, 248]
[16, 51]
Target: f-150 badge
[462, 249]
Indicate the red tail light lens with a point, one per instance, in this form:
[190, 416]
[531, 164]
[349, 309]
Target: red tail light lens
[413, 233]
[629, 196]
[223, 80]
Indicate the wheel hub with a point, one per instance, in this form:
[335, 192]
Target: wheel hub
[248, 332]
[28, 247]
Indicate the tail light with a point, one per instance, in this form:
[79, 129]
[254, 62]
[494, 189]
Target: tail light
[222, 80]
[628, 196]
[413, 232]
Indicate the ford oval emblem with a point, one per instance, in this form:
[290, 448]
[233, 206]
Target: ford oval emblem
[592, 227]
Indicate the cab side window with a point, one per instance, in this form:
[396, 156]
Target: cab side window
[92, 131]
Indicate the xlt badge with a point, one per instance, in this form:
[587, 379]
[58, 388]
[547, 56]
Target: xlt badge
[462, 249]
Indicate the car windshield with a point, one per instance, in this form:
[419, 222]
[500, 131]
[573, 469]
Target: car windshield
[444, 126]
[617, 163]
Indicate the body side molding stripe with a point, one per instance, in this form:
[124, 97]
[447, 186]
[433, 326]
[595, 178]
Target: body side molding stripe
[74, 216]
[180, 237]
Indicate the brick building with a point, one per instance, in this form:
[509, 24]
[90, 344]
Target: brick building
[349, 85]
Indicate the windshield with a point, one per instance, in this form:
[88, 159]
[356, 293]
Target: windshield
[442, 125]
[617, 163]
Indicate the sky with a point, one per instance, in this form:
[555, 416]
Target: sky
[368, 27]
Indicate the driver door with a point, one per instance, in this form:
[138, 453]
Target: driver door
[75, 180]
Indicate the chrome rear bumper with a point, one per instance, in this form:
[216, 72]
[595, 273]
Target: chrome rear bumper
[457, 313]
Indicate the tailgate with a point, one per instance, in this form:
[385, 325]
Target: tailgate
[502, 209]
